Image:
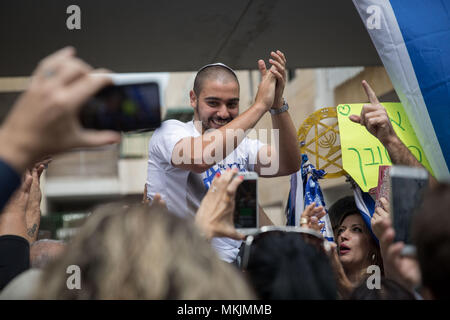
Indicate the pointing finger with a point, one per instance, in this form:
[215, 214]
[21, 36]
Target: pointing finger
[370, 93]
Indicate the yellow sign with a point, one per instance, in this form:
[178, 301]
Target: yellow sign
[362, 153]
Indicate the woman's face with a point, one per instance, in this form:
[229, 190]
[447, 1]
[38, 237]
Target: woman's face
[353, 241]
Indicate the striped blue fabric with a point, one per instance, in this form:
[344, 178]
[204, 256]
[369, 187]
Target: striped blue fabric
[413, 40]
[366, 206]
[305, 189]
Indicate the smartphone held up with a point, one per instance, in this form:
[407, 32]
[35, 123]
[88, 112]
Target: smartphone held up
[408, 185]
[246, 217]
[131, 104]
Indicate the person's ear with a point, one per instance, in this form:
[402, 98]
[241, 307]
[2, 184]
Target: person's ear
[193, 99]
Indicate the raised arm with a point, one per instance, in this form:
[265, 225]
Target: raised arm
[375, 118]
[201, 153]
[13, 218]
[215, 214]
[283, 156]
[45, 118]
[33, 211]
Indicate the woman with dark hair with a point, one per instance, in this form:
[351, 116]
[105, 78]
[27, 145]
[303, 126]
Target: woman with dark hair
[356, 248]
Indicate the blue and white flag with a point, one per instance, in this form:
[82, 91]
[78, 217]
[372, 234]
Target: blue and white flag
[305, 189]
[413, 40]
[294, 201]
[365, 205]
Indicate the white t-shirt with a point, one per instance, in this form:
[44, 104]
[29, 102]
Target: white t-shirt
[183, 190]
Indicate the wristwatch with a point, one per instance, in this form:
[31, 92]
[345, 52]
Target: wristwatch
[284, 108]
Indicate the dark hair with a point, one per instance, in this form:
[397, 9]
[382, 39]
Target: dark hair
[283, 266]
[389, 290]
[341, 209]
[210, 73]
[378, 259]
[431, 235]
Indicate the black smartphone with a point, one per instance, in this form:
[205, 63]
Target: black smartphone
[408, 185]
[131, 107]
[246, 209]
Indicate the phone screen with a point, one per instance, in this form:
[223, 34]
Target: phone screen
[133, 107]
[246, 205]
[406, 196]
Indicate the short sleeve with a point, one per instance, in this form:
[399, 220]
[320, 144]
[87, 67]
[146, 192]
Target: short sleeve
[14, 257]
[252, 147]
[10, 182]
[165, 138]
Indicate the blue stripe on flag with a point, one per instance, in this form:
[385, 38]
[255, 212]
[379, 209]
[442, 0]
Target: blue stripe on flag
[366, 206]
[425, 26]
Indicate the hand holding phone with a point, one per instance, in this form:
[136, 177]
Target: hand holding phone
[246, 217]
[131, 104]
[408, 185]
[216, 212]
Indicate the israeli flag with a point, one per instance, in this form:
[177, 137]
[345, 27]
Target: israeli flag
[295, 200]
[366, 206]
[305, 189]
[413, 40]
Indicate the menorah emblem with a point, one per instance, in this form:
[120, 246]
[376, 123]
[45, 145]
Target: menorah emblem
[318, 137]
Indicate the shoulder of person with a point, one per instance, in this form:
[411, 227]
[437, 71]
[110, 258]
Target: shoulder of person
[173, 123]
[165, 137]
[171, 126]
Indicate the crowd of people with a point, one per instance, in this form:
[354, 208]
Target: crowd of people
[180, 242]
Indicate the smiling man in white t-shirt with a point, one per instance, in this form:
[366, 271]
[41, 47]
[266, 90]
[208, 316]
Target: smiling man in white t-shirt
[184, 158]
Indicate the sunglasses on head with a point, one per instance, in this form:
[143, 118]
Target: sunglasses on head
[310, 236]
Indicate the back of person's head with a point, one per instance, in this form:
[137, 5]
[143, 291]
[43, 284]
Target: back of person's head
[431, 235]
[141, 252]
[42, 252]
[213, 72]
[389, 290]
[282, 265]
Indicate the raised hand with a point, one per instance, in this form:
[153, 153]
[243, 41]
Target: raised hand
[381, 213]
[375, 118]
[12, 219]
[345, 287]
[215, 215]
[311, 216]
[266, 91]
[403, 269]
[33, 210]
[45, 118]
[278, 68]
